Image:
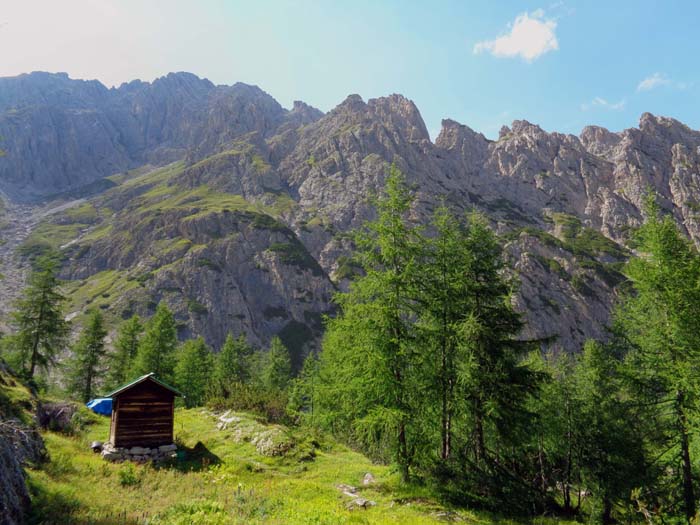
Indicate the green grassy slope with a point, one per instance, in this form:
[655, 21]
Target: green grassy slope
[223, 480]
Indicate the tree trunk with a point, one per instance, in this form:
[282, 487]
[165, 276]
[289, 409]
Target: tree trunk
[688, 492]
[480, 445]
[403, 452]
[606, 518]
[444, 427]
[37, 336]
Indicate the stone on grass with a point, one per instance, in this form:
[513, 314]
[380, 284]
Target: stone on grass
[360, 503]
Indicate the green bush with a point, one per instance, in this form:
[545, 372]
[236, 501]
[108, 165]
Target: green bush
[128, 476]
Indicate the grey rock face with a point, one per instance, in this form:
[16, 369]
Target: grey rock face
[59, 134]
[20, 444]
[566, 204]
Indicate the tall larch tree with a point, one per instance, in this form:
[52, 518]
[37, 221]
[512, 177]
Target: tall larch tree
[126, 347]
[156, 351]
[277, 367]
[232, 365]
[369, 354]
[193, 370]
[661, 320]
[87, 366]
[42, 331]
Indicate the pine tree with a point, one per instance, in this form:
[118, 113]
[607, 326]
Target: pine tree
[157, 347]
[303, 391]
[495, 381]
[42, 331]
[446, 298]
[126, 347]
[661, 321]
[369, 357]
[86, 367]
[277, 368]
[193, 370]
[232, 365]
[612, 458]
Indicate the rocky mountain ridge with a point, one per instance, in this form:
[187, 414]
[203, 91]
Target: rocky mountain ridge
[247, 232]
[60, 134]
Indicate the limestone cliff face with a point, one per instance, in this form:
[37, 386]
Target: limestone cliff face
[248, 232]
[60, 134]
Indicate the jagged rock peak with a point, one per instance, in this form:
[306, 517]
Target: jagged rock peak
[401, 112]
[452, 134]
[598, 140]
[352, 102]
[305, 109]
[523, 127]
[649, 123]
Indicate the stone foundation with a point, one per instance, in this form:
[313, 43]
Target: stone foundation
[139, 454]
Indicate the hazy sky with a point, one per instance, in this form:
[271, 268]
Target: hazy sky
[561, 64]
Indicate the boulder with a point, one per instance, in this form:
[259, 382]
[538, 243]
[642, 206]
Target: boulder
[56, 416]
[360, 503]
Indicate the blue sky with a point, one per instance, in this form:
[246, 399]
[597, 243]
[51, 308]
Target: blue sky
[561, 64]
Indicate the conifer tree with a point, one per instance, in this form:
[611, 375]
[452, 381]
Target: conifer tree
[369, 355]
[302, 394]
[612, 458]
[156, 351]
[86, 367]
[661, 321]
[126, 347]
[277, 369]
[446, 298]
[42, 331]
[232, 365]
[193, 370]
[495, 381]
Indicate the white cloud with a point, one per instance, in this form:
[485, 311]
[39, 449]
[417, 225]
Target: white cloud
[660, 79]
[530, 36]
[653, 81]
[600, 102]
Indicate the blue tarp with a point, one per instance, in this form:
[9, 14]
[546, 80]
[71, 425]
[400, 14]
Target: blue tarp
[101, 405]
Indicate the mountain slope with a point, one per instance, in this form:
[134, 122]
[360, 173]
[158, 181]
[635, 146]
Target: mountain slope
[60, 134]
[248, 231]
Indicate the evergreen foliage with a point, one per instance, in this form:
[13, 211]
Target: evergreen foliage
[661, 322]
[370, 355]
[424, 351]
[277, 367]
[232, 368]
[156, 350]
[126, 347]
[42, 332]
[87, 366]
[193, 370]
[302, 392]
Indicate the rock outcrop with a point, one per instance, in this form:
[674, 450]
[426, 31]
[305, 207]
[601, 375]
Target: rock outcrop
[60, 134]
[20, 445]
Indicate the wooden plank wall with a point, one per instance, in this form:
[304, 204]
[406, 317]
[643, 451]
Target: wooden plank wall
[144, 416]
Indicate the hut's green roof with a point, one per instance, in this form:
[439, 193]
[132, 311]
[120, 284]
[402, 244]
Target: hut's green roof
[152, 377]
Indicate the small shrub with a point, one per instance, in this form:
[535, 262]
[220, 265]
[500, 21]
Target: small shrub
[128, 476]
[196, 307]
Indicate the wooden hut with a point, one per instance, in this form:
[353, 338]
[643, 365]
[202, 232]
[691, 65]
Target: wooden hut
[142, 413]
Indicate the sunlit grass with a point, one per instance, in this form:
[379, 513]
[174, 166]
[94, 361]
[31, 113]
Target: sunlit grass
[223, 482]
